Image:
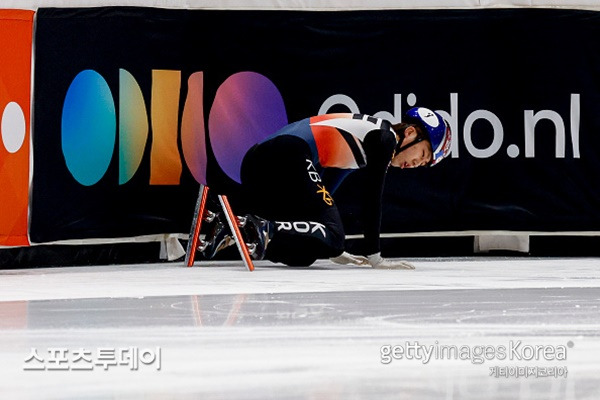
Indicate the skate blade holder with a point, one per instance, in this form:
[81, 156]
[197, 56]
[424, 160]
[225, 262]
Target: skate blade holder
[202, 245]
[210, 216]
[202, 214]
[251, 248]
[242, 221]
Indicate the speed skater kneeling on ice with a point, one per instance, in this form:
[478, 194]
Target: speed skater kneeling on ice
[288, 181]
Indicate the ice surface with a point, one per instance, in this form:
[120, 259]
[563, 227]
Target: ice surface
[304, 333]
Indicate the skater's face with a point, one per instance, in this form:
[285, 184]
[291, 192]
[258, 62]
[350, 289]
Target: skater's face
[418, 155]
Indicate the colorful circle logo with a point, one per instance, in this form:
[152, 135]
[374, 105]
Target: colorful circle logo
[89, 126]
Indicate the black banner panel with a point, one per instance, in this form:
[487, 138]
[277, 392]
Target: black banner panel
[134, 107]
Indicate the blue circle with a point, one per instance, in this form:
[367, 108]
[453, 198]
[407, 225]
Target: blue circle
[89, 127]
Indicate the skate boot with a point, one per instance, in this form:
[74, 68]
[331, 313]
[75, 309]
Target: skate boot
[258, 233]
[218, 238]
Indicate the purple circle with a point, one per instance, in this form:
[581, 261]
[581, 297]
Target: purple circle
[247, 108]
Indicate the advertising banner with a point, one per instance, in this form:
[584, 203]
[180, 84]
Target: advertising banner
[137, 106]
[15, 93]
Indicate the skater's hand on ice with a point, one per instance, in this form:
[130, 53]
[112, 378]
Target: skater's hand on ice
[379, 262]
[347, 258]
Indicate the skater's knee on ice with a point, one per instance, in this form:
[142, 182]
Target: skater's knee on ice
[301, 262]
